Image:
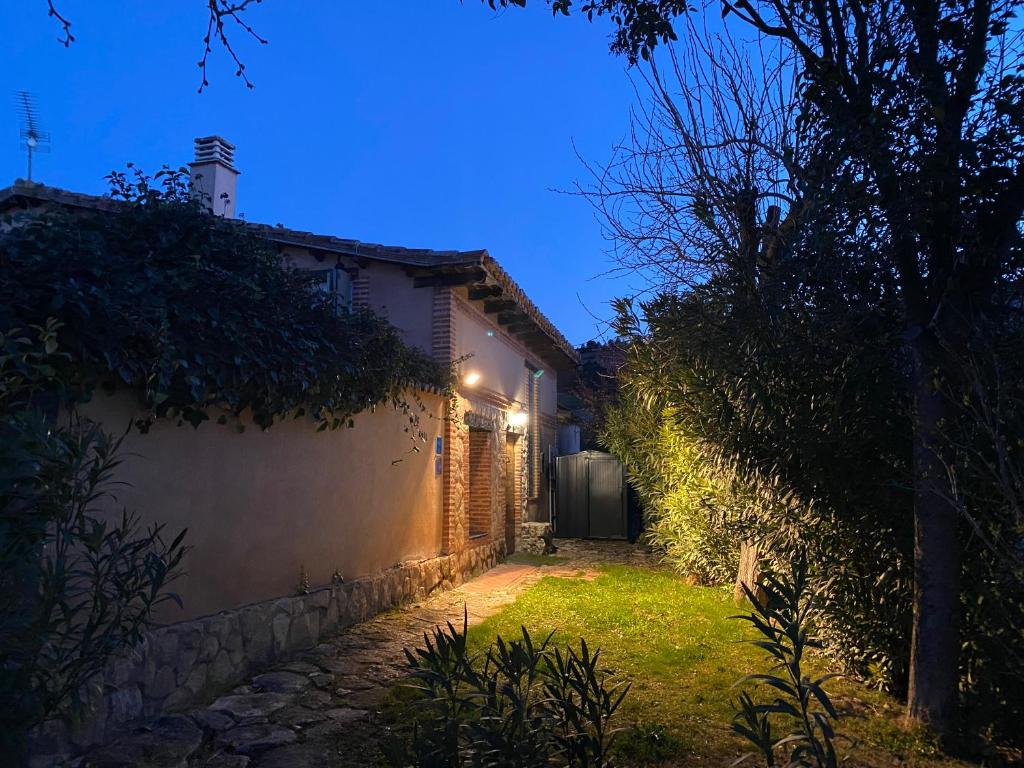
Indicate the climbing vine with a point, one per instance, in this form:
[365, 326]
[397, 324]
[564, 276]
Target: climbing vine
[198, 314]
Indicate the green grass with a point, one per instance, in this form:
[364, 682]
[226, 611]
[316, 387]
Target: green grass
[676, 645]
[528, 558]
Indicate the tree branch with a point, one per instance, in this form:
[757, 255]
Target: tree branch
[215, 27]
[67, 38]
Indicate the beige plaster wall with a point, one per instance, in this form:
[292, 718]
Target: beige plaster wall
[260, 505]
[499, 360]
[392, 295]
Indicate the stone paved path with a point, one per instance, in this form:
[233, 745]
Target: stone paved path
[321, 709]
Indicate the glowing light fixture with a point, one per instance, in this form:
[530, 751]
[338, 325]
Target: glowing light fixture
[518, 419]
[538, 373]
[471, 378]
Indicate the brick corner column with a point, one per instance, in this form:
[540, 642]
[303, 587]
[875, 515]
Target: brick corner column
[453, 474]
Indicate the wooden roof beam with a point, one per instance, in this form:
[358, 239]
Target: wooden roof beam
[524, 327]
[494, 306]
[481, 292]
[447, 279]
[514, 316]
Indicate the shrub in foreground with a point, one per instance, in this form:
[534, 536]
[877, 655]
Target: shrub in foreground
[78, 584]
[520, 704]
[796, 728]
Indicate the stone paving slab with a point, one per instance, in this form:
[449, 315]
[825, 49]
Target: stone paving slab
[321, 709]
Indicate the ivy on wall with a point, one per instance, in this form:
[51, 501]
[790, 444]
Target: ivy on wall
[198, 314]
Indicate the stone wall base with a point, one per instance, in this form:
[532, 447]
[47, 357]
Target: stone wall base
[184, 665]
[531, 538]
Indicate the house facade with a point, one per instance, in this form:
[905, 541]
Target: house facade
[325, 528]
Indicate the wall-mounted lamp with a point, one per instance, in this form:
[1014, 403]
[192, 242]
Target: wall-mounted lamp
[518, 419]
[471, 378]
[538, 373]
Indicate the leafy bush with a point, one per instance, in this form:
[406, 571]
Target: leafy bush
[785, 413]
[693, 517]
[784, 612]
[523, 704]
[197, 313]
[804, 411]
[77, 583]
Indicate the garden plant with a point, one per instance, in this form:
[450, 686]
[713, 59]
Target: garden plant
[519, 704]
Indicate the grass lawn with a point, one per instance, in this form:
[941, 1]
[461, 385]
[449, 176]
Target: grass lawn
[682, 654]
[529, 558]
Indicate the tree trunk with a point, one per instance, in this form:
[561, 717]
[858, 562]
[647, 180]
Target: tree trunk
[749, 571]
[935, 642]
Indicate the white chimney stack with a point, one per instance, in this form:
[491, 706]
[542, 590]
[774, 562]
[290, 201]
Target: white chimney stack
[214, 178]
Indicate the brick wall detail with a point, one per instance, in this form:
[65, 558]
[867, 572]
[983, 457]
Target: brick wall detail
[361, 291]
[442, 325]
[480, 492]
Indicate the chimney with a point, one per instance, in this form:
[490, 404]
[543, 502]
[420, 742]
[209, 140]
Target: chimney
[214, 178]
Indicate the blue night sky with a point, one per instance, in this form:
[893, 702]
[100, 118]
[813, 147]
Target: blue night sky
[422, 123]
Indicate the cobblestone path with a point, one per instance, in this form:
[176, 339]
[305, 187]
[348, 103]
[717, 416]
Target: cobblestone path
[321, 710]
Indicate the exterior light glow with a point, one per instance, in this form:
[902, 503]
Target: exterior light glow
[538, 373]
[471, 378]
[518, 419]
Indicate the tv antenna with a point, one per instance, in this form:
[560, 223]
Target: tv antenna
[33, 138]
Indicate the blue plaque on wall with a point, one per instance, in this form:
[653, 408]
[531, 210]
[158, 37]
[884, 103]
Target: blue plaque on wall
[437, 465]
[438, 444]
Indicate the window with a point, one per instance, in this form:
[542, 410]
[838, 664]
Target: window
[337, 285]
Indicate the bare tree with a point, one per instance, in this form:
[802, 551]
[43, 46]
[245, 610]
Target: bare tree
[703, 179]
[222, 16]
[704, 182]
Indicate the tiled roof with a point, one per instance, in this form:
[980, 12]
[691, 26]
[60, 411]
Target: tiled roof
[430, 260]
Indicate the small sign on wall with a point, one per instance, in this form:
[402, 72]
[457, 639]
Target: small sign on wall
[437, 466]
[438, 451]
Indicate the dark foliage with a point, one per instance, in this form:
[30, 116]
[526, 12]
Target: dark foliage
[787, 410]
[858, 377]
[590, 390]
[522, 704]
[641, 25]
[197, 313]
[78, 582]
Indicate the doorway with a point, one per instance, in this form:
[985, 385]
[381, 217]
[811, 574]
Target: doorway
[591, 496]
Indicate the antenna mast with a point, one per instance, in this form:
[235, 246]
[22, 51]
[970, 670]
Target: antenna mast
[33, 138]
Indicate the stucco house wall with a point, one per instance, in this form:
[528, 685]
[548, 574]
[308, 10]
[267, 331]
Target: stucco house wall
[261, 505]
[506, 367]
[390, 293]
[499, 360]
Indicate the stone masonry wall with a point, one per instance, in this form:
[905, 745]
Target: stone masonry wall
[180, 666]
[532, 538]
